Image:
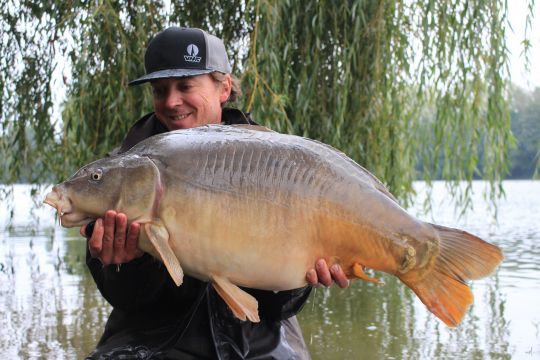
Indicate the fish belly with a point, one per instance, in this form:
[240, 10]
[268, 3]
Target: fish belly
[252, 243]
[259, 243]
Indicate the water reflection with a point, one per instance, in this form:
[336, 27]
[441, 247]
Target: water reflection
[50, 308]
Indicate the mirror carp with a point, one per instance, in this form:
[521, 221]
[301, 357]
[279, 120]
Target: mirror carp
[245, 206]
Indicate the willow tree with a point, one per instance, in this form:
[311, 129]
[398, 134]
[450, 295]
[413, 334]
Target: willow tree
[407, 88]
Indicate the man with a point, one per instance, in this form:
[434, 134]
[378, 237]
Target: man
[190, 77]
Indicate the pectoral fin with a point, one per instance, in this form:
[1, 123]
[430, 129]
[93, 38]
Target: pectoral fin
[240, 302]
[159, 237]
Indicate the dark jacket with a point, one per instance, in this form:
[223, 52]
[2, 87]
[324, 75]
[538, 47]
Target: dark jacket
[152, 318]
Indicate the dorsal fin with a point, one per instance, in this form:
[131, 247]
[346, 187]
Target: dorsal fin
[252, 127]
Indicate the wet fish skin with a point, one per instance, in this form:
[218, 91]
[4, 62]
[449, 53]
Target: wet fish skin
[240, 206]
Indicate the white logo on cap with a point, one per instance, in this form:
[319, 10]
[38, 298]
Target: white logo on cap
[192, 51]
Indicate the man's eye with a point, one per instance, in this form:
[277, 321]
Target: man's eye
[184, 87]
[157, 92]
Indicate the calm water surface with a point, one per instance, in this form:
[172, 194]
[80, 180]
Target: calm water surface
[50, 308]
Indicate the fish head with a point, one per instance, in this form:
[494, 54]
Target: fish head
[122, 183]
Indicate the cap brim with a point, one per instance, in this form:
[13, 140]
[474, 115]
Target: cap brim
[169, 73]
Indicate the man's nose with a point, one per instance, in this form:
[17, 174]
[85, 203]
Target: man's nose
[173, 99]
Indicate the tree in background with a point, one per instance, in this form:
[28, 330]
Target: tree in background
[354, 74]
[525, 115]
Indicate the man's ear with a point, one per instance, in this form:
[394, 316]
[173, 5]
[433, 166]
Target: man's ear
[226, 88]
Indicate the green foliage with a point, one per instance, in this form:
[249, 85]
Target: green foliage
[356, 74]
[100, 108]
[525, 114]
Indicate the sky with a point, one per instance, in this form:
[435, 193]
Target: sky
[517, 13]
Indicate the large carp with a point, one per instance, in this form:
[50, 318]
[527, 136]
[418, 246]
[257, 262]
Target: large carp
[238, 206]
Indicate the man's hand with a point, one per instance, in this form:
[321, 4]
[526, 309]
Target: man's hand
[112, 242]
[323, 275]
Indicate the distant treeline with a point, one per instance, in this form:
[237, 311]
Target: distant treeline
[525, 123]
[524, 162]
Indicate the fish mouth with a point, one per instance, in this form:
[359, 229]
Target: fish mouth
[66, 214]
[50, 202]
[72, 219]
[58, 201]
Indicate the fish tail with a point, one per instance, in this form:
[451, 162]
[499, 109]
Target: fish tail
[443, 289]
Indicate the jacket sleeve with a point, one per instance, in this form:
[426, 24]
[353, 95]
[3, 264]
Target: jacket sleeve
[280, 305]
[131, 286]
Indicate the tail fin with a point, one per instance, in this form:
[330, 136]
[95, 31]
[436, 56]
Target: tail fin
[462, 257]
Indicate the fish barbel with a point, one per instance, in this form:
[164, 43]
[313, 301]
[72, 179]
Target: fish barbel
[240, 206]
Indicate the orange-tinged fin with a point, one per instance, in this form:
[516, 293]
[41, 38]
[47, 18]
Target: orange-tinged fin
[243, 305]
[462, 257]
[159, 237]
[358, 271]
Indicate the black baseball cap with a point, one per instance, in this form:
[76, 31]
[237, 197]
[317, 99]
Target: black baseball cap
[180, 52]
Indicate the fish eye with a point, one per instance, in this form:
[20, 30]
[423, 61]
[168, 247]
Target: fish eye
[96, 175]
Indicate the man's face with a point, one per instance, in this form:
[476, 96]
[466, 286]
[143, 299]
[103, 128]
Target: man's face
[183, 103]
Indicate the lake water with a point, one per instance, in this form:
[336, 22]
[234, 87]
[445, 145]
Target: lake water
[50, 308]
